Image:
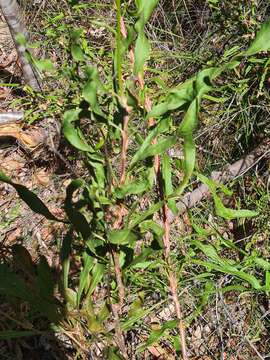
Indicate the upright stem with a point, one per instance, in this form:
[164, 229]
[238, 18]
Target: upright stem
[172, 278]
[13, 16]
[119, 48]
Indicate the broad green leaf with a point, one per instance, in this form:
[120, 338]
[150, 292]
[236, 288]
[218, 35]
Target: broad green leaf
[187, 92]
[230, 214]
[44, 65]
[75, 216]
[141, 52]
[160, 147]
[140, 259]
[121, 237]
[12, 285]
[90, 90]
[88, 263]
[70, 298]
[151, 225]
[176, 98]
[144, 12]
[77, 52]
[221, 210]
[136, 220]
[267, 282]
[130, 321]
[190, 119]
[65, 261]
[155, 335]
[160, 128]
[231, 270]
[21, 39]
[263, 264]
[45, 281]
[186, 131]
[97, 275]
[23, 259]
[209, 251]
[104, 313]
[262, 40]
[136, 305]
[142, 46]
[73, 135]
[31, 199]
[136, 187]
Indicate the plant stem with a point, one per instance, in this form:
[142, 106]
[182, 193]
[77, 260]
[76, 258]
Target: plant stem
[118, 48]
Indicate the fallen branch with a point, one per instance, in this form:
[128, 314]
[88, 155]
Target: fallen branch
[11, 117]
[229, 173]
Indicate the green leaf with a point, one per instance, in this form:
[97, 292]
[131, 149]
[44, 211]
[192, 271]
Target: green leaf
[136, 187]
[23, 259]
[14, 334]
[186, 131]
[45, 281]
[160, 128]
[209, 251]
[230, 214]
[141, 52]
[262, 40]
[21, 39]
[175, 99]
[136, 304]
[12, 285]
[121, 237]
[140, 259]
[147, 225]
[160, 147]
[31, 199]
[144, 12]
[221, 210]
[73, 135]
[77, 52]
[65, 261]
[130, 321]
[263, 264]
[187, 92]
[75, 216]
[88, 263]
[97, 275]
[44, 65]
[136, 220]
[142, 46]
[231, 270]
[155, 335]
[91, 88]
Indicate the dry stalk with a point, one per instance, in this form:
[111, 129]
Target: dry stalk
[166, 238]
[171, 274]
[121, 212]
[124, 145]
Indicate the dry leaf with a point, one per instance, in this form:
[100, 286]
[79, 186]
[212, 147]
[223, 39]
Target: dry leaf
[42, 177]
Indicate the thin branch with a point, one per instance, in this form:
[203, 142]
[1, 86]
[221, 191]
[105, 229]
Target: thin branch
[13, 15]
[124, 145]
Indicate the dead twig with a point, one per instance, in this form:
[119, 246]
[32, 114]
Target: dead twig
[11, 117]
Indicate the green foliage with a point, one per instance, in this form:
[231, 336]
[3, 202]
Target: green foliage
[106, 215]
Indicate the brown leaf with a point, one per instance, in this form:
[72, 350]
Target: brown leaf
[42, 177]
